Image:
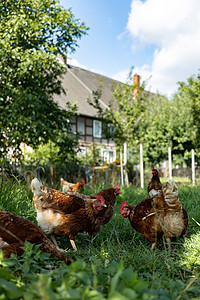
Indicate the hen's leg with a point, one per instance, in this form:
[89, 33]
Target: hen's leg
[153, 246]
[54, 241]
[169, 242]
[185, 234]
[73, 245]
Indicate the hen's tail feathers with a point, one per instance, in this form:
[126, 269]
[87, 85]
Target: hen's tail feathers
[153, 192]
[35, 186]
[170, 192]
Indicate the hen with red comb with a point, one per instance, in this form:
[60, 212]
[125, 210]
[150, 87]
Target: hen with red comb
[154, 184]
[109, 196]
[158, 216]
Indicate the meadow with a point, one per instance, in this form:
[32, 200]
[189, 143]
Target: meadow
[116, 264]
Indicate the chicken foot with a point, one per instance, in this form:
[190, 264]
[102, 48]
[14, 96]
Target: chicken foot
[168, 242]
[73, 245]
[55, 243]
[153, 246]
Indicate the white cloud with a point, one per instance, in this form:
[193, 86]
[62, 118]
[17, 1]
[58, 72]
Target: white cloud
[173, 27]
[144, 72]
[121, 76]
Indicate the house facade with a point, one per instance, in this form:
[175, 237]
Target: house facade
[80, 85]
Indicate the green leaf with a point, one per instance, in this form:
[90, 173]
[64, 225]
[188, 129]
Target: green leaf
[33, 34]
[5, 274]
[11, 290]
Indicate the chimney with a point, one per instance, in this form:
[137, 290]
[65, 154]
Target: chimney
[136, 85]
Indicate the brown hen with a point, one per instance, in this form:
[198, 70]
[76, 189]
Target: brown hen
[15, 230]
[72, 187]
[154, 183]
[63, 214]
[109, 196]
[157, 216]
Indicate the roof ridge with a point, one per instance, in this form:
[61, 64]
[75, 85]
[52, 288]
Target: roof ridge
[86, 87]
[96, 73]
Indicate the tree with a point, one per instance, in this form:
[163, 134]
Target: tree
[187, 101]
[124, 113]
[189, 93]
[152, 120]
[33, 34]
[173, 123]
[155, 131]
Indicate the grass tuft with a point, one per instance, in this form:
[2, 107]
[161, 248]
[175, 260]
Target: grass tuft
[117, 262]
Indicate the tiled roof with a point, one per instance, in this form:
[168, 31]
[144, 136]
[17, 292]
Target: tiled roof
[79, 85]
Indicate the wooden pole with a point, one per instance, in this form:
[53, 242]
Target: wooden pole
[141, 167]
[125, 164]
[170, 162]
[106, 175]
[94, 175]
[121, 167]
[193, 168]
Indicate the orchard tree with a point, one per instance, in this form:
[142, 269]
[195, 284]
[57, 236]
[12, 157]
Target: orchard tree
[124, 112]
[32, 35]
[165, 124]
[173, 123]
[187, 100]
[154, 130]
[189, 94]
[130, 114]
[152, 120]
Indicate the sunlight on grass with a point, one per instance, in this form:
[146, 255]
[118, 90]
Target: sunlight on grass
[178, 180]
[191, 255]
[117, 250]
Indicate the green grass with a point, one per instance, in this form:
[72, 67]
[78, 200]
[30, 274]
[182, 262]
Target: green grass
[116, 264]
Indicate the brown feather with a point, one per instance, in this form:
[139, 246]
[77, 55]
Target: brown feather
[155, 183]
[72, 187]
[109, 196]
[64, 214]
[24, 230]
[160, 215]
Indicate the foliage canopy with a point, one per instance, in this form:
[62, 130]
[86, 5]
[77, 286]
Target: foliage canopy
[32, 35]
[155, 121]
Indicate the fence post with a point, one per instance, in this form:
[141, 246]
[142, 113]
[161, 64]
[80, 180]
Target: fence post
[170, 162]
[121, 167]
[141, 167]
[125, 164]
[106, 175]
[193, 168]
[93, 154]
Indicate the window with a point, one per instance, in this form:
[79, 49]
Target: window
[81, 126]
[97, 128]
[88, 122]
[89, 130]
[109, 155]
[73, 128]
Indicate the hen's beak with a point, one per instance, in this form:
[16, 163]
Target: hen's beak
[104, 205]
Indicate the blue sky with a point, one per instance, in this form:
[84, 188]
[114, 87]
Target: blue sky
[159, 38]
